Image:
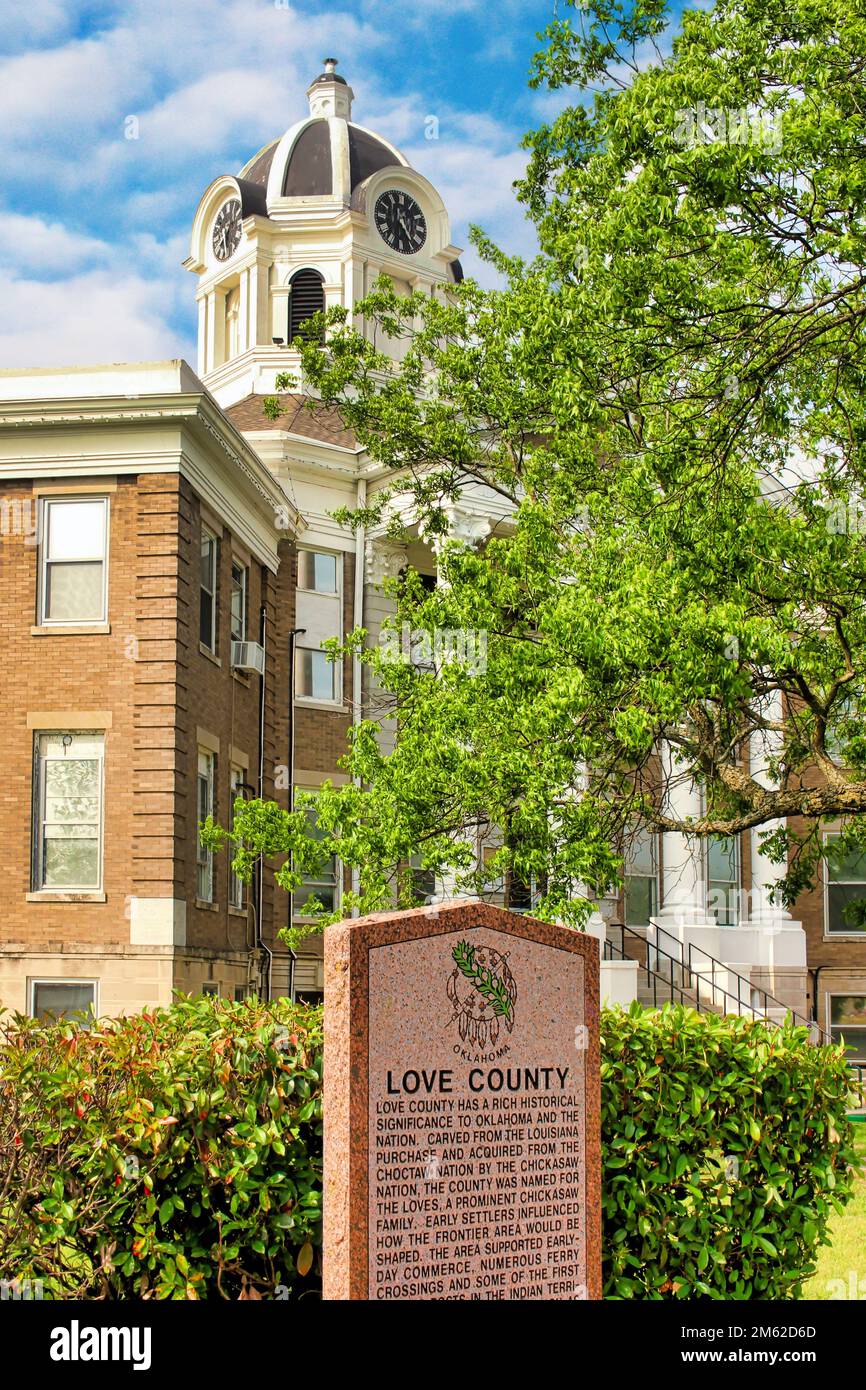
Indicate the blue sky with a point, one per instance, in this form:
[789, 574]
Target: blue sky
[93, 225]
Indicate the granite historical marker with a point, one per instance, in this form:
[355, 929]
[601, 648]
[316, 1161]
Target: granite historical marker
[462, 1146]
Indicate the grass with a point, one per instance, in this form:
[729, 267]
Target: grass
[841, 1271]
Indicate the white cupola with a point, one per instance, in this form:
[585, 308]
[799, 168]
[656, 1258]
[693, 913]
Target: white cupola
[312, 220]
[329, 94]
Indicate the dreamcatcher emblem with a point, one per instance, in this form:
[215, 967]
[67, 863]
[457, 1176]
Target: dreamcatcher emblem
[482, 992]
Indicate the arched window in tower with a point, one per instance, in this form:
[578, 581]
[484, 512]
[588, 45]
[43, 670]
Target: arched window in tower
[307, 297]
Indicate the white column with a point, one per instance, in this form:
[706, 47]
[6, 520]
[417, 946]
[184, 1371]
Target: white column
[202, 335]
[468, 528]
[216, 327]
[259, 323]
[684, 884]
[244, 312]
[280, 312]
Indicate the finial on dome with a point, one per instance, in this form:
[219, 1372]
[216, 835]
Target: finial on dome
[329, 94]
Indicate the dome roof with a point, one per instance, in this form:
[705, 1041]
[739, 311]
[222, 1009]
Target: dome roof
[324, 156]
[308, 171]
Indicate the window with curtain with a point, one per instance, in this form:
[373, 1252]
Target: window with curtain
[56, 999]
[68, 811]
[74, 560]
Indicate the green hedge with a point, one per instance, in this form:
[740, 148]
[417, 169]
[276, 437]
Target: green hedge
[178, 1154]
[726, 1148]
[174, 1154]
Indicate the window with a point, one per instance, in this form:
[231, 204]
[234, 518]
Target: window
[315, 676]
[306, 298]
[74, 569]
[62, 998]
[205, 807]
[846, 892]
[423, 880]
[241, 993]
[240, 584]
[641, 879]
[211, 989]
[68, 811]
[317, 572]
[319, 613]
[723, 878]
[848, 1021]
[323, 883]
[236, 885]
[208, 592]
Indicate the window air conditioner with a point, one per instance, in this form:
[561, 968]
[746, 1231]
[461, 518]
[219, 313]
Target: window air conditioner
[248, 656]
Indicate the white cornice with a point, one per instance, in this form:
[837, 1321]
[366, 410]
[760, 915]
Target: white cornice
[217, 459]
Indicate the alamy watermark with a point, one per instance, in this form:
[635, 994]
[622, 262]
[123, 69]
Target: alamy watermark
[21, 517]
[719, 125]
[460, 646]
[21, 1290]
[846, 517]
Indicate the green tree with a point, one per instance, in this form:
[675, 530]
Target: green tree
[670, 398]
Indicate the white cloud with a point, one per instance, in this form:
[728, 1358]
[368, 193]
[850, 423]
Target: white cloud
[31, 243]
[98, 316]
[208, 85]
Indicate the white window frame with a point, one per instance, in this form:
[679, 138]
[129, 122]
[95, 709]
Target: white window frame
[207, 534]
[844, 994]
[838, 935]
[305, 645]
[335, 668]
[204, 859]
[237, 887]
[736, 882]
[34, 982]
[653, 878]
[315, 883]
[46, 503]
[336, 556]
[38, 813]
[238, 564]
[416, 871]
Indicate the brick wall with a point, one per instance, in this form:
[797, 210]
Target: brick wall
[156, 689]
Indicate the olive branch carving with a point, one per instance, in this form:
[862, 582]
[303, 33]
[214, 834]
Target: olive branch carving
[487, 983]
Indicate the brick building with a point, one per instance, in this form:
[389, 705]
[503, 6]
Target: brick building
[171, 567]
[140, 538]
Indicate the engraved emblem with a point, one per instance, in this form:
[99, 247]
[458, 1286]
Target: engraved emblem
[482, 992]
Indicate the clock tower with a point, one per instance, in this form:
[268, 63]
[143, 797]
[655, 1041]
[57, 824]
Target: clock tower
[310, 221]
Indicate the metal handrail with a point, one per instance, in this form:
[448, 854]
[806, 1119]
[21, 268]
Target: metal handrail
[769, 1000]
[691, 973]
[613, 952]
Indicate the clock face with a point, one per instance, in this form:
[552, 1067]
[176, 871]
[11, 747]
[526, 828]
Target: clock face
[227, 230]
[400, 222]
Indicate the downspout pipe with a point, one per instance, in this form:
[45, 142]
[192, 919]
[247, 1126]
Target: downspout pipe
[358, 621]
[295, 633]
[260, 868]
